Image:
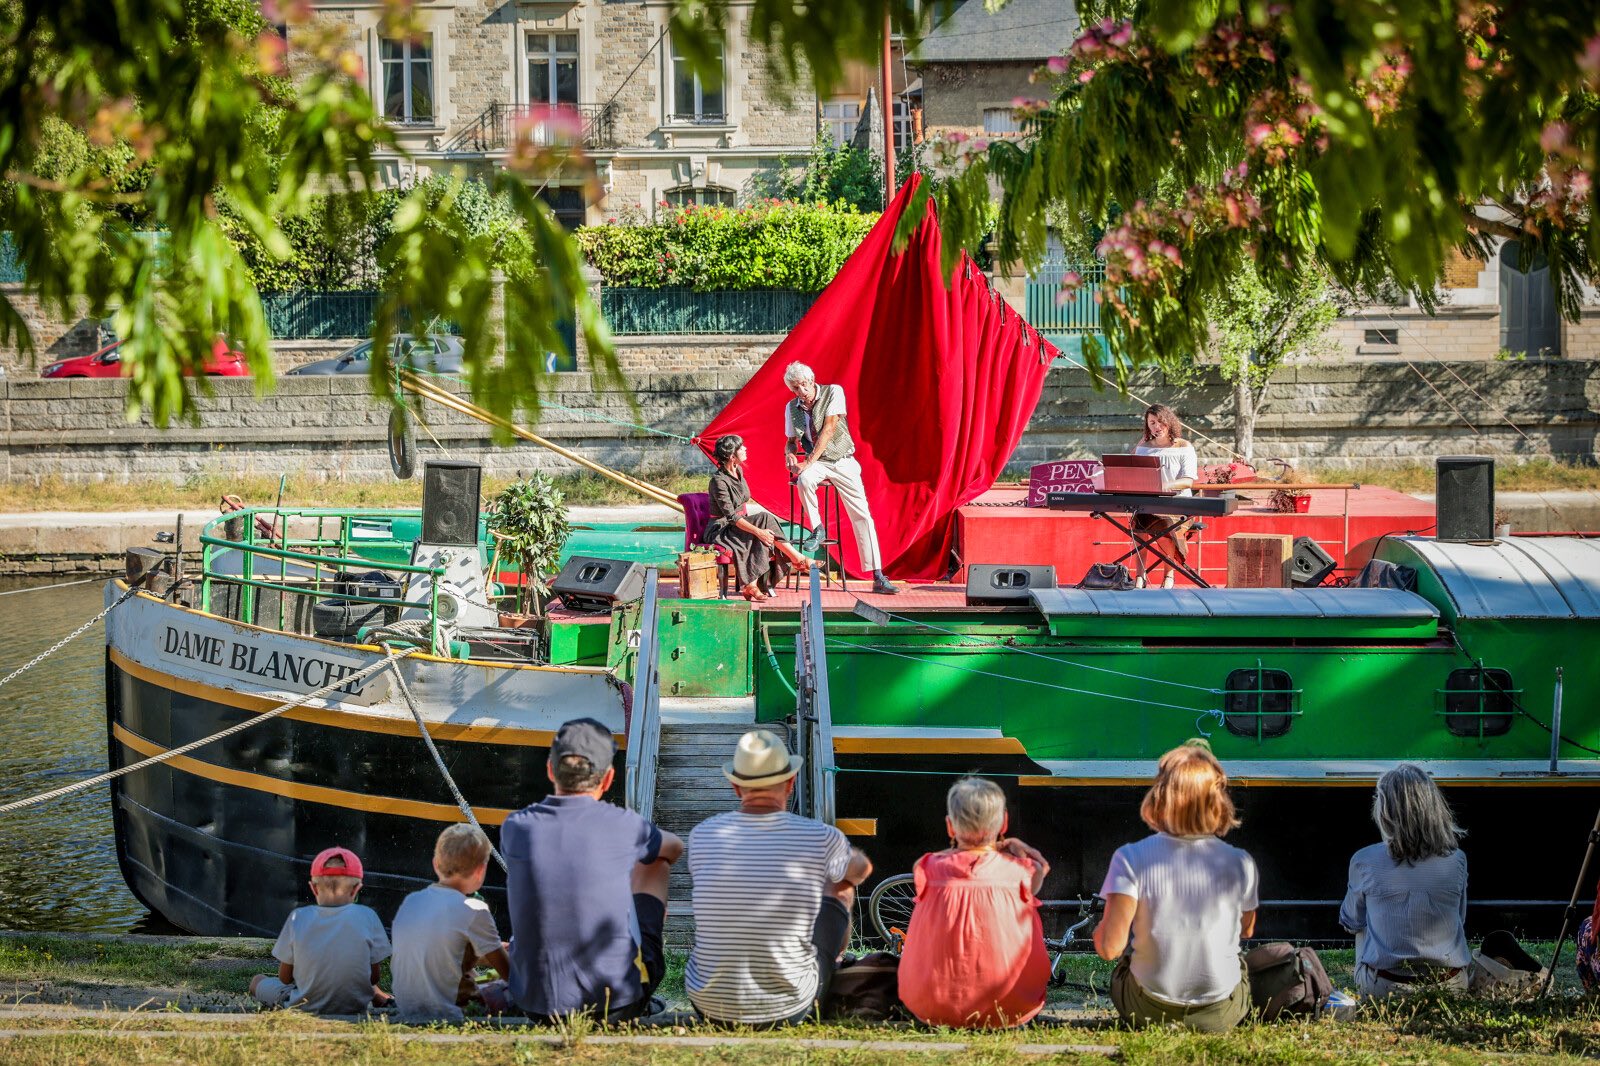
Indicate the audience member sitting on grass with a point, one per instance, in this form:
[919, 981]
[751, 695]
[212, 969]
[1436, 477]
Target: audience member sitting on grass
[1185, 899]
[328, 954]
[587, 889]
[443, 932]
[772, 897]
[974, 956]
[1407, 902]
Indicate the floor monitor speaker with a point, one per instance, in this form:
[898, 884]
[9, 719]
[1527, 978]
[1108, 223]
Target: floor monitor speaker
[590, 584]
[1309, 565]
[450, 503]
[1000, 584]
[1464, 497]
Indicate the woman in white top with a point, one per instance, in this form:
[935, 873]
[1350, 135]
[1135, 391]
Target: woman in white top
[1178, 902]
[1407, 903]
[1163, 438]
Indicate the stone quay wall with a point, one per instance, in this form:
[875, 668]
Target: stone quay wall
[327, 427]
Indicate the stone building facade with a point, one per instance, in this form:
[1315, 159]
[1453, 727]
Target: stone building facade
[656, 131]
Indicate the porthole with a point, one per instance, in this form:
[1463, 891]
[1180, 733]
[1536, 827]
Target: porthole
[1259, 703]
[1478, 702]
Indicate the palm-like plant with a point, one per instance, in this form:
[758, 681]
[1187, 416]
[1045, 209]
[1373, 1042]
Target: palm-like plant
[528, 521]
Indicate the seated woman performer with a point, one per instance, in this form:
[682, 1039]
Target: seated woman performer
[762, 555]
[1163, 438]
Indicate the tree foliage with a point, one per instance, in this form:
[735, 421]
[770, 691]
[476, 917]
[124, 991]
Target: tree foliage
[768, 245]
[196, 129]
[1365, 138]
[831, 175]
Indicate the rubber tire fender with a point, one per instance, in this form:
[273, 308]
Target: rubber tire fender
[402, 444]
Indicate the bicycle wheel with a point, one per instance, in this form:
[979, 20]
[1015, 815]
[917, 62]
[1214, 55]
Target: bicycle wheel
[890, 908]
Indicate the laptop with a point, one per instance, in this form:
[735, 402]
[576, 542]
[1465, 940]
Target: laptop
[1134, 475]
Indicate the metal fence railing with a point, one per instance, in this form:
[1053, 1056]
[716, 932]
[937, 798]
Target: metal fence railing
[11, 268]
[1052, 310]
[313, 315]
[644, 718]
[633, 311]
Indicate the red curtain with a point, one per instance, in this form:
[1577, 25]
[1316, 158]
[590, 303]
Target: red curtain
[939, 383]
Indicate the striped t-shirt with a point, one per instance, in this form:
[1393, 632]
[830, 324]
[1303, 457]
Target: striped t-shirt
[758, 884]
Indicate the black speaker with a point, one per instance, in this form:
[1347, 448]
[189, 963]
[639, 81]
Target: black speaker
[450, 502]
[999, 584]
[1464, 497]
[1310, 565]
[590, 584]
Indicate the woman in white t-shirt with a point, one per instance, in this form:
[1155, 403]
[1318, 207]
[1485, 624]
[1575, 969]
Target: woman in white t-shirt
[1163, 438]
[1179, 901]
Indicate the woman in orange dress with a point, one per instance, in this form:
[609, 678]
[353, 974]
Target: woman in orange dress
[974, 955]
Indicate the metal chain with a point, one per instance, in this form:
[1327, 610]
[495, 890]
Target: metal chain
[68, 639]
[282, 708]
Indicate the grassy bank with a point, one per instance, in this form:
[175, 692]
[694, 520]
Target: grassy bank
[42, 969]
[582, 489]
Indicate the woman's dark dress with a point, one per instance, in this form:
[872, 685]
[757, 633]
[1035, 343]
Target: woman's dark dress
[753, 561]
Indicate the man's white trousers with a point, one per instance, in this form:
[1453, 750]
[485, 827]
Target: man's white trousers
[845, 475]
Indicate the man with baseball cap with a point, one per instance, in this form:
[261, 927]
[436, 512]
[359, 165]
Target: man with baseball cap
[772, 896]
[587, 889]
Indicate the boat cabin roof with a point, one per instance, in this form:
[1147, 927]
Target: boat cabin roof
[1283, 613]
[1513, 577]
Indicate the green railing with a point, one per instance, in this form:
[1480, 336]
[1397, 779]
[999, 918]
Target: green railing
[12, 271]
[640, 311]
[258, 560]
[312, 315]
[1065, 318]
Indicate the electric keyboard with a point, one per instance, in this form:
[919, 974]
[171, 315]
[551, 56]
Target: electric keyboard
[1128, 503]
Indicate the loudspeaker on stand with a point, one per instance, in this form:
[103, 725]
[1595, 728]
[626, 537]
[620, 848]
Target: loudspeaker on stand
[450, 503]
[1464, 497]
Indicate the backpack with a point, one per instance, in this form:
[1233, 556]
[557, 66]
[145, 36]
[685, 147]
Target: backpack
[1286, 980]
[865, 989]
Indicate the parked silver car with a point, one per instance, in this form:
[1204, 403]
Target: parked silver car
[438, 354]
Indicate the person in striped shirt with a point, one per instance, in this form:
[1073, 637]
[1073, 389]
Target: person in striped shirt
[772, 897]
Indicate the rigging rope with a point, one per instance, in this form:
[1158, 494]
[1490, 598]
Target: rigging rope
[999, 645]
[581, 413]
[839, 642]
[282, 708]
[47, 588]
[68, 639]
[438, 760]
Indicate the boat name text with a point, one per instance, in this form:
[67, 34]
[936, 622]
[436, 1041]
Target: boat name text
[240, 658]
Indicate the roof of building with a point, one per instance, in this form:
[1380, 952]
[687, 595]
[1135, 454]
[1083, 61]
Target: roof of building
[1026, 30]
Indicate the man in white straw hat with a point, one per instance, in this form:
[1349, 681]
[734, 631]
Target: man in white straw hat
[772, 896]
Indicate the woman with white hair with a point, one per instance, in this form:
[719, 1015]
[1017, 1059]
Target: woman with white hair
[1407, 902]
[974, 956]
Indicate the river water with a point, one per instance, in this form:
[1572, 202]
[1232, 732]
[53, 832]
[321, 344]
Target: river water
[58, 861]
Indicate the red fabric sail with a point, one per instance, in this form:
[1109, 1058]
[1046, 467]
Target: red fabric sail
[939, 383]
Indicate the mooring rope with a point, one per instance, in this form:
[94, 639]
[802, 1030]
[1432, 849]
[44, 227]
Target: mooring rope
[47, 588]
[68, 639]
[438, 760]
[100, 779]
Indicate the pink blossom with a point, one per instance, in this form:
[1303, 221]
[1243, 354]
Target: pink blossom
[1553, 138]
[1057, 64]
[1085, 77]
[1122, 36]
[1259, 133]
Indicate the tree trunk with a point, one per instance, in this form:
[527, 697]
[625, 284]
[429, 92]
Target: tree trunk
[1244, 418]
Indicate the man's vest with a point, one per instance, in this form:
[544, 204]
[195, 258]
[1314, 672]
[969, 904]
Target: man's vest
[839, 445]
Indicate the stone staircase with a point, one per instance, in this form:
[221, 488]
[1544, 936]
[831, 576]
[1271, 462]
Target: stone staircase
[697, 737]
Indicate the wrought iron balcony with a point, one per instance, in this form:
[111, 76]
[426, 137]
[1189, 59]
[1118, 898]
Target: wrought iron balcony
[497, 128]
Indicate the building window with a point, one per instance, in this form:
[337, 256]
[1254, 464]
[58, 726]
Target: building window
[902, 126]
[1382, 336]
[711, 195]
[1000, 121]
[1478, 703]
[553, 69]
[695, 99]
[1259, 703]
[839, 119]
[567, 204]
[407, 81]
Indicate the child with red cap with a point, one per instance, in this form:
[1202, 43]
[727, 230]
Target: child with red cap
[328, 955]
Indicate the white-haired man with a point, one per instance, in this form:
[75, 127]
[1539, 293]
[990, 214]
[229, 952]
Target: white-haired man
[816, 418]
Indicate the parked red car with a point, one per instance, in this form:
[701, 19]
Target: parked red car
[106, 363]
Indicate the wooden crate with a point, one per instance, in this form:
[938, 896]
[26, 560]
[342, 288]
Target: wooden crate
[1259, 560]
[697, 575]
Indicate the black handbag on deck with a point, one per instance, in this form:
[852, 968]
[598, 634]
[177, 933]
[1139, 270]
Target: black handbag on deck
[1107, 577]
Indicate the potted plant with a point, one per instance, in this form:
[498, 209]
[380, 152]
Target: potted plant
[528, 522]
[1287, 500]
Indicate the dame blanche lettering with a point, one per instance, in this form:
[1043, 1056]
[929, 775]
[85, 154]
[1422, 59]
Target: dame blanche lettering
[303, 670]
